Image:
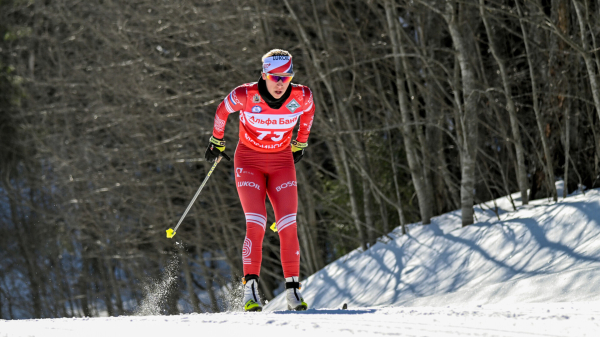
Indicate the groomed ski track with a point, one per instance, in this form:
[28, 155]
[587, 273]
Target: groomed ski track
[548, 319]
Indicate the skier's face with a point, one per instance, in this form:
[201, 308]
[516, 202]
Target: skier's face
[276, 89]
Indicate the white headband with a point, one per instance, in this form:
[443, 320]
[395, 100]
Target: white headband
[278, 64]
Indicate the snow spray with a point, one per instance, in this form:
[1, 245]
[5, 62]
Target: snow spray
[232, 296]
[156, 291]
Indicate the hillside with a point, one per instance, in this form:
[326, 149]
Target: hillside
[530, 272]
[543, 252]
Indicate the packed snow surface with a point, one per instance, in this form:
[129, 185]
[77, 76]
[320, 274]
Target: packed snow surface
[541, 319]
[530, 272]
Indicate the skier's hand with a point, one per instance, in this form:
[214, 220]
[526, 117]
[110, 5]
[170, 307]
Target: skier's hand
[215, 149]
[298, 150]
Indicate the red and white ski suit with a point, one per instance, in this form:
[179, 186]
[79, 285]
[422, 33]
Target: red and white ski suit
[264, 165]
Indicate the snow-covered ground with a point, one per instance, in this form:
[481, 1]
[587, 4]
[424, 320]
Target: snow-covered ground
[534, 271]
[542, 319]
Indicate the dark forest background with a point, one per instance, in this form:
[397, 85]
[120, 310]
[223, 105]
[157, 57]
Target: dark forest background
[423, 107]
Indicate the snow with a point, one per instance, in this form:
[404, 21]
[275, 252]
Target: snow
[534, 271]
[563, 319]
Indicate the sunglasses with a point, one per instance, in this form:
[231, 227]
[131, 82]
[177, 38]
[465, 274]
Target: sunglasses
[283, 79]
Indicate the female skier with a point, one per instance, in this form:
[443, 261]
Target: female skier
[264, 165]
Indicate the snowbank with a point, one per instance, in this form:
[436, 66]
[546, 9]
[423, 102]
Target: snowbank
[543, 252]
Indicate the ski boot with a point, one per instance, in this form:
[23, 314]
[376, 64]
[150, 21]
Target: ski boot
[293, 296]
[251, 300]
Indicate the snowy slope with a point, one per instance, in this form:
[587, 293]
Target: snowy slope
[532, 272]
[544, 252]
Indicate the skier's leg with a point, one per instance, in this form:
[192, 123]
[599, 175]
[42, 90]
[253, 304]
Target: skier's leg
[251, 186]
[251, 183]
[283, 193]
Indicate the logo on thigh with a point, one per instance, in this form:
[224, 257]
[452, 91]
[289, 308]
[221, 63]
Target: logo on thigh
[239, 171]
[286, 185]
[248, 184]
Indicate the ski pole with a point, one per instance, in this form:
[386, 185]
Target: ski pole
[172, 231]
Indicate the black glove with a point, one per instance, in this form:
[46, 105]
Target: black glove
[215, 149]
[298, 150]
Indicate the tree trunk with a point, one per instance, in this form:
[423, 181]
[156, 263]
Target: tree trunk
[352, 195]
[106, 285]
[83, 286]
[567, 148]
[189, 284]
[425, 162]
[469, 118]
[397, 189]
[310, 221]
[510, 106]
[339, 143]
[208, 278]
[367, 206]
[407, 134]
[395, 173]
[30, 263]
[116, 290]
[548, 167]
[586, 54]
